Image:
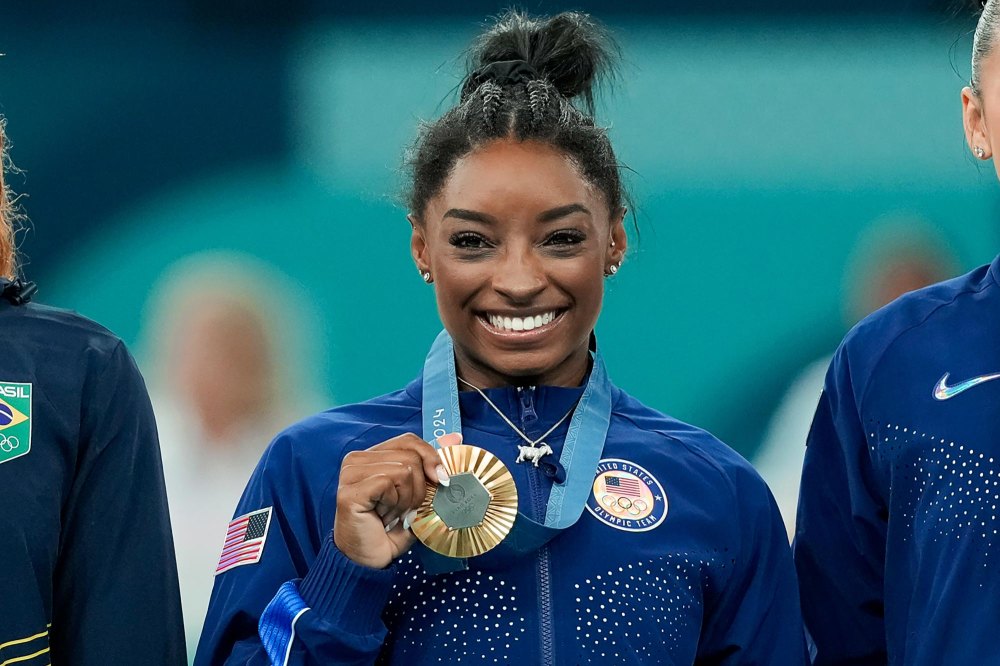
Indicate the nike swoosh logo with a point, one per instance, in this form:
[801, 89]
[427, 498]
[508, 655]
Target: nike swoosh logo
[943, 392]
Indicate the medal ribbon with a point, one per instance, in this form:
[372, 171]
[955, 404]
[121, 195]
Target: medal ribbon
[441, 413]
[581, 450]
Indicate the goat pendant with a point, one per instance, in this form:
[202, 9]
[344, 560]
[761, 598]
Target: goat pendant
[533, 453]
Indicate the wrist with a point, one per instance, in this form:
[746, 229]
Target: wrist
[348, 593]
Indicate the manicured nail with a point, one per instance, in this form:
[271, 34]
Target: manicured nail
[451, 439]
[409, 519]
[442, 475]
[388, 528]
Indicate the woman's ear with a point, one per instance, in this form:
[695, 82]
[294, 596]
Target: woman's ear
[976, 133]
[418, 249]
[418, 245]
[619, 239]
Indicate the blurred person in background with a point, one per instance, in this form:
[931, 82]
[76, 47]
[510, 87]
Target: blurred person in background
[898, 531]
[894, 256]
[221, 338]
[517, 220]
[88, 565]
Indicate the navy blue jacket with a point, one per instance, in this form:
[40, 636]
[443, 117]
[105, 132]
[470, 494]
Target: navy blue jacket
[702, 574]
[87, 572]
[897, 542]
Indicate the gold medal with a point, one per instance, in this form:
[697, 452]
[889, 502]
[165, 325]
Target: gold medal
[475, 512]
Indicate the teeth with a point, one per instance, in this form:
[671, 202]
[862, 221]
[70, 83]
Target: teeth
[521, 323]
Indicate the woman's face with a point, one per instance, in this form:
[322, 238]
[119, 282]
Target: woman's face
[981, 113]
[517, 243]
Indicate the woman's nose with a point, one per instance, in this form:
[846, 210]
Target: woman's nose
[519, 276]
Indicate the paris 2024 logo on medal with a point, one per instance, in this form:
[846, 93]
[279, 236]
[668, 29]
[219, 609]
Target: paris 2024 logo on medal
[627, 497]
[15, 420]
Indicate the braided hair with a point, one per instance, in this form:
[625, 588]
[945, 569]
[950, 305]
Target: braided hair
[530, 79]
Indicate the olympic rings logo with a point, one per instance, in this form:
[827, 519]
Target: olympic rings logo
[9, 444]
[624, 505]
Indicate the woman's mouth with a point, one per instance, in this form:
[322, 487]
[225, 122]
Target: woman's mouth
[510, 324]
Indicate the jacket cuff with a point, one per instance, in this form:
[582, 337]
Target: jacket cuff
[347, 594]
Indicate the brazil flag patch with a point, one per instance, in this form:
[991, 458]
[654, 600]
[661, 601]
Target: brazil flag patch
[15, 420]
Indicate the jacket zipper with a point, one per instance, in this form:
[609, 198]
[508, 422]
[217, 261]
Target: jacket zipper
[545, 607]
[528, 418]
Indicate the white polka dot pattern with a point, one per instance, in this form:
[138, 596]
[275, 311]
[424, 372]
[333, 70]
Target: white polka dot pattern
[641, 612]
[463, 616]
[943, 490]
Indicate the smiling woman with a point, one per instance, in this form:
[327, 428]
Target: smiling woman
[517, 237]
[517, 221]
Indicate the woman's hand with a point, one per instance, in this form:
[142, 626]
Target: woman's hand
[380, 488]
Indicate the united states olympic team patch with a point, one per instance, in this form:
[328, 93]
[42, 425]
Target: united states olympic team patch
[627, 497]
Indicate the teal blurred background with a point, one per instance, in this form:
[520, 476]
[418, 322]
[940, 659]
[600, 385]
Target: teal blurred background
[761, 147]
[764, 147]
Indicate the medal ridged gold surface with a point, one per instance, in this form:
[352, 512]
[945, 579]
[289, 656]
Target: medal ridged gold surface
[500, 514]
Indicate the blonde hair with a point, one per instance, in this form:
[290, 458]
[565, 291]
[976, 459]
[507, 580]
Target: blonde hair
[8, 254]
[984, 40]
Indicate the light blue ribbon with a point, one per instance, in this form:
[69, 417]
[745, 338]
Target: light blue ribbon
[580, 455]
[441, 413]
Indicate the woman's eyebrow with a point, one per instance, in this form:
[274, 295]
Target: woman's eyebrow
[469, 215]
[563, 211]
[547, 216]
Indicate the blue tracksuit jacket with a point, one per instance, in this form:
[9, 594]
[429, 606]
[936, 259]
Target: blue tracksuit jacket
[897, 542]
[87, 573]
[703, 575]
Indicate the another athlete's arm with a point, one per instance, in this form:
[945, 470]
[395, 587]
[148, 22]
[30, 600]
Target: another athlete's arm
[841, 531]
[115, 596]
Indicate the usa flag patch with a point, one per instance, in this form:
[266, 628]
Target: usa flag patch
[244, 540]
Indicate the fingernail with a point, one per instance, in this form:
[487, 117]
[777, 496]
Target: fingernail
[409, 519]
[442, 475]
[388, 528]
[451, 439]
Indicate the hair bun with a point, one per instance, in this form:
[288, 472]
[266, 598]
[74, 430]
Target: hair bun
[570, 50]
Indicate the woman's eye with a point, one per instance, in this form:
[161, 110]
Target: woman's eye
[469, 241]
[566, 237]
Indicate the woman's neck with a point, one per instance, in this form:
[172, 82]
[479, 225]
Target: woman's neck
[570, 373]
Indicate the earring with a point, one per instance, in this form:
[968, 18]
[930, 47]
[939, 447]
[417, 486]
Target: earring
[612, 242]
[980, 153]
[612, 269]
[426, 275]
